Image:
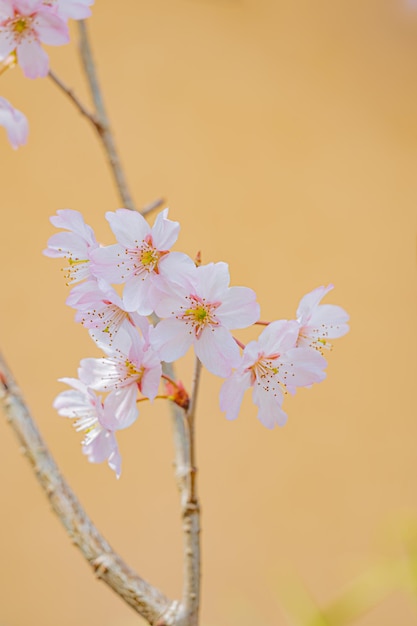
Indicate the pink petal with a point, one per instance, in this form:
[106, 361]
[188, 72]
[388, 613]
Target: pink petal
[67, 245]
[270, 413]
[72, 220]
[171, 339]
[309, 302]
[6, 8]
[137, 294]
[151, 378]
[232, 392]
[278, 337]
[120, 409]
[213, 280]
[14, 122]
[73, 9]
[307, 367]
[115, 462]
[26, 7]
[333, 317]
[239, 308]
[51, 28]
[164, 231]
[33, 59]
[218, 351]
[129, 228]
[7, 43]
[107, 262]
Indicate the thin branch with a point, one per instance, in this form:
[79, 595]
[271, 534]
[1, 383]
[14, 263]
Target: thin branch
[147, 600]
[152, 206]
[71, 95]
[103, 125]
[68, 91]
[181, 443]
[191, 421]
[191, 515]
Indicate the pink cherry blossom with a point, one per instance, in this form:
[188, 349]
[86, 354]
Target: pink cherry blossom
[24, 25]
[130, 365]
[98, 419]
[141, 259]
[74, 9]
[14, 122]
[101, 310]
[201, 309]
[75, 245]
[272, 366]
[320, 322]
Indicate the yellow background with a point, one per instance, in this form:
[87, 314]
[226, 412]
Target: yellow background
[284, 137]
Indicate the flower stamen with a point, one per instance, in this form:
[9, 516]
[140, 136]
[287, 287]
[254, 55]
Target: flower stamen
[200, 314]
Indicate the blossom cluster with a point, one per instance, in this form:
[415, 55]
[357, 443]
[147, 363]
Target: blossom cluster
[24, 26]
[168, 304]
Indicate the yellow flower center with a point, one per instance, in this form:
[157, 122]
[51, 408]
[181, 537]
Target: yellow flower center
[21, 23]
[200, 314]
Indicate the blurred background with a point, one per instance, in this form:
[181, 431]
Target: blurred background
[283, 136]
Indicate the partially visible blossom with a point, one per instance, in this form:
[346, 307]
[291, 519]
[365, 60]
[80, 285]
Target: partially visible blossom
[99, 420]
[141, 259]
[201, 309]
[75, 245]
[74, 9]
[272, 366]
[24, 25]
[130, 365]
[14, 122]
[320, 322]
[101, 310]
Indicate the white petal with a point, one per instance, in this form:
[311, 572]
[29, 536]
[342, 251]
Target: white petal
[164, 231]
[171, 339]
[218, 351]
[239, 308]
[231, 394]
[129, 227]
[309, 302]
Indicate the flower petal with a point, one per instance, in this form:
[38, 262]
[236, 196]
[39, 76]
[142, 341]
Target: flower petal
[130, 228]
[32, 58]
[218, 351]
[171, 339]
[232, 392]
[239, 308]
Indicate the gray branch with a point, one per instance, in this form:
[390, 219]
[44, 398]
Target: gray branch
[145, 599]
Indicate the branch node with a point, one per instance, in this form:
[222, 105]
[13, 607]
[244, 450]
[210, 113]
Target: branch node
[101, 565]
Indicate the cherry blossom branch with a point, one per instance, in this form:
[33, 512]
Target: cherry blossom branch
[103, 125]
[183, 425]
[147, 600]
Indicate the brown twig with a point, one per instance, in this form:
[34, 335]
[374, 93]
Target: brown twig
[103, 125]
[71, 95]
[147, 600]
